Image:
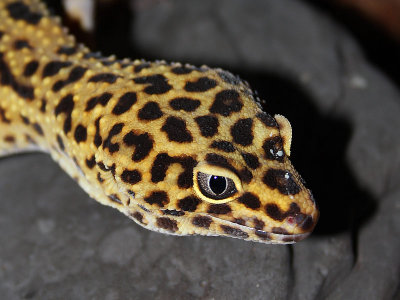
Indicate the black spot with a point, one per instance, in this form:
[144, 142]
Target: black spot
[8, 79]
[281, 180]
[137, 216]
[250, 200]
[66, 106]
[276, 213]
[176, 130]
[80, 133]
[99, 179]
[124, 103]
[159, 198]
[1, 34]
[162, 163]
[201, 85]
[105, 168]
[186, 104]
[219, 209]
[60, 143]
[234, 232]
[43, 106]
[239, 221]
[75, 74]
[223, 145]
[245, 175]
[251, 160]
[24, 91]
[263, 235]
[208, 125]
[160, 166]
[53, 67]
[201, 221]
[242, 132]
[173, 212]
[226, 102]
[25, 120]
[131, 177]
[258, 224]
[142, 142]
[38, 128]
[31, 68]
[98, 140]
[20, 11]
[20, 44]
[140, 67]
[167, 224]
[273, 149]
[91, 162]
[150, 111]
[115, 198]
[267, 119]
[101, 99]
[67, 50]
[189, 203]
[185, 179]
[102, 166]
[9, 139]
[3, 117]
[229, 77]
[218, 160]
[112, 169]
[181, 70]
[113, 147]
[158, 84]
[103, 77]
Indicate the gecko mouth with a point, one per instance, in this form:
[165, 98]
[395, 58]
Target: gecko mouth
[250, 233]
[228, 228]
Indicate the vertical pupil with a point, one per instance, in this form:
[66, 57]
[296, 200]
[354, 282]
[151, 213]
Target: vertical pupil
[217, 184]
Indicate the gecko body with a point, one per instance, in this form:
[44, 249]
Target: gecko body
[178, 149]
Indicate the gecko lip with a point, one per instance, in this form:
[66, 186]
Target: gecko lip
[245, 232]
[262, 236]
[251, 233]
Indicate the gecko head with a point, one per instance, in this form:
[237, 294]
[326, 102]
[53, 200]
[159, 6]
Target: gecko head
[206, 160]
[256, 197]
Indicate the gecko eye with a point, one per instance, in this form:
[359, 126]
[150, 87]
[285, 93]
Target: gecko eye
[215, 187]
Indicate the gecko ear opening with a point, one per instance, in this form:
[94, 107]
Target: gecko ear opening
[286, 132]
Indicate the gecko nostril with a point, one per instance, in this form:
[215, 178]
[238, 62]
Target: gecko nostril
[290, 220]
[300, 220]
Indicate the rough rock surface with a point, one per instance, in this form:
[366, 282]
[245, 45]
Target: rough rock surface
[56, 243]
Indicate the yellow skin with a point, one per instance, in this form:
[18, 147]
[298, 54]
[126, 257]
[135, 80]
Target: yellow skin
[178, 149]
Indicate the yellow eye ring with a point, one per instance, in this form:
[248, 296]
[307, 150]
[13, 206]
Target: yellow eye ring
[215, 184]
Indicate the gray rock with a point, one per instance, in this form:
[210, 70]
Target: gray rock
[56, 243]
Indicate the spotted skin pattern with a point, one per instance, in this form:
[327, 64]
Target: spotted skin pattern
[142, 136]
